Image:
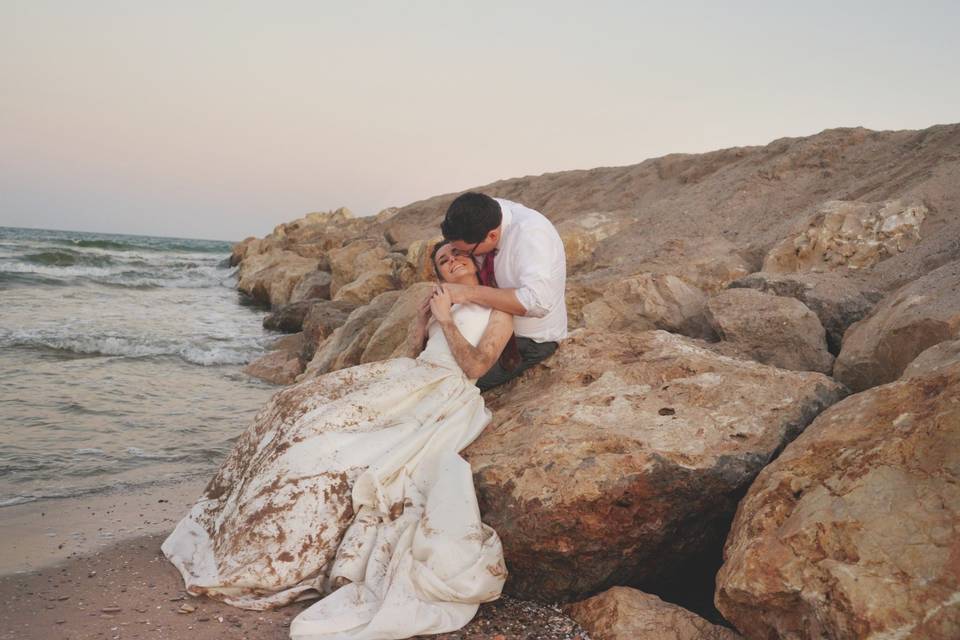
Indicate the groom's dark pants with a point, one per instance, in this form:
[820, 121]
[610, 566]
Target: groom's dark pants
[530, 354]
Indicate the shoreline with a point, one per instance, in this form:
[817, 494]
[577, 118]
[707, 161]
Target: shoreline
[44, 533]
[91, 567]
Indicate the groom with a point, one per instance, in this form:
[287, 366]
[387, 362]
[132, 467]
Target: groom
[523, 272]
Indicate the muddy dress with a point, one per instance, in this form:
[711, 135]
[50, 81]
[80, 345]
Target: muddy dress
[350, 486]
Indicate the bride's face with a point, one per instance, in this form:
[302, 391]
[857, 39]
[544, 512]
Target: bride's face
[455, 266]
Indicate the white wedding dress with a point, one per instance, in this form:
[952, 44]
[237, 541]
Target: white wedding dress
[350, 486]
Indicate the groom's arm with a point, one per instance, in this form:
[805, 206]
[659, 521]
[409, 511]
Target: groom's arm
[502, 299]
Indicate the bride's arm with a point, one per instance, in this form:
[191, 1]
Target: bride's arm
[474, 360]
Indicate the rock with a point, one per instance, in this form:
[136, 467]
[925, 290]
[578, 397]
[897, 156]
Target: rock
[239, 250]
[270, 277]
[848, 234]
[650, 301]
[709, 264]
[289, 317]
[387, 214]
[313, 286]
[345, 346]
[578, 244]
[915, 317]
[321, 320]
[391, 333]
[939, 355]
[367, 287]
[774, 330]
[347, 263]
[418, 256]
[836, 300]
[625, 454]
[852, 531]
[281, 366]
[622, 613]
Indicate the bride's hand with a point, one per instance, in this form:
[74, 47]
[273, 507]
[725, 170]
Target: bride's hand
[440, 304]
[423, 312]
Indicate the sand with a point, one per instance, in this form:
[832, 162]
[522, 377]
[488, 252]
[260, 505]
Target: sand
[92, 568]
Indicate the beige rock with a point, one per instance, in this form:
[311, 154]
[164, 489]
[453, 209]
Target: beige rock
[392, 331]
[347, 263]
[622, 613]
[937, 356]
[774, 330]
[270, 277]
[915, 317]
[581, 236]
[852, 531]
[345, 346]
[313, 286]
[240, 250]
[837, 301]
[367, 287]
[650, 301]
[848, 234]
[624, 455]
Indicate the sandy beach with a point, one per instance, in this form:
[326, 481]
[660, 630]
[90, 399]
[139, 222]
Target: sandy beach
[92, 568]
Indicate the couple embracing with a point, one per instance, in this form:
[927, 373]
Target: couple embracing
[350, 485]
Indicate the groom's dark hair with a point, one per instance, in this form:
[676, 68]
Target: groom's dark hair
[471, 217]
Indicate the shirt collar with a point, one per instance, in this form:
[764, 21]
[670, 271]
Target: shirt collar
[506, 218]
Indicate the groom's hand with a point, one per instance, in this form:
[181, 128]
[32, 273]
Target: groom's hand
[459, 293]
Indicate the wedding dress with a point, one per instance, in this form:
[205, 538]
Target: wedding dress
[350, 486]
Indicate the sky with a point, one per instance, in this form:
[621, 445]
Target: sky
[222, 119]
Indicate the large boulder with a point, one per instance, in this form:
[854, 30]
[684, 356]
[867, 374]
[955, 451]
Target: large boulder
[650, 301]
[851, 234]
[348, 262]
[270, 277]
[313, 286]
[582, 234]
[289, 317]
[919, 315]
[837, 301]
[391, 333]
[625, 454]
[939, 355]
[321, 320]
[770, 329]
[622, 613]
[852, 531]
[345, 346]
[709, 263]
[283, 364]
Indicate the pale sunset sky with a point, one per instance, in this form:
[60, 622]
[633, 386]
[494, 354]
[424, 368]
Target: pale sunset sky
[221, 119]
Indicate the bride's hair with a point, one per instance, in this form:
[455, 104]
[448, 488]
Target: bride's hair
[433, 257]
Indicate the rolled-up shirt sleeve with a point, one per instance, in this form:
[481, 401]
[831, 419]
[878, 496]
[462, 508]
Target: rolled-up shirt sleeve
[542, 274]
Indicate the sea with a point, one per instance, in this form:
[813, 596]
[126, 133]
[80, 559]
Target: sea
[120, 361]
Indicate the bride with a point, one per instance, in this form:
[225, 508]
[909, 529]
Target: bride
[350, 486]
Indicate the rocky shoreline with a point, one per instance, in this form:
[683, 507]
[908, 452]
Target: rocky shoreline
[753, 430]
[731, 312]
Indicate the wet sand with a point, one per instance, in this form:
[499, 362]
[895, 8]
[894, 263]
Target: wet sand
[92, 568]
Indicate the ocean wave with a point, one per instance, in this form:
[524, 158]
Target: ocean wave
[145, 243]
[67, 258]
[137, 275]
[239, 352]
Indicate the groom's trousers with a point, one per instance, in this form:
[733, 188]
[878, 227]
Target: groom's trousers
[530, 354]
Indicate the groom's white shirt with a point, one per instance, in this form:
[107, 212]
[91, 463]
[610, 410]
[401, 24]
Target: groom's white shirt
[530, 259]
